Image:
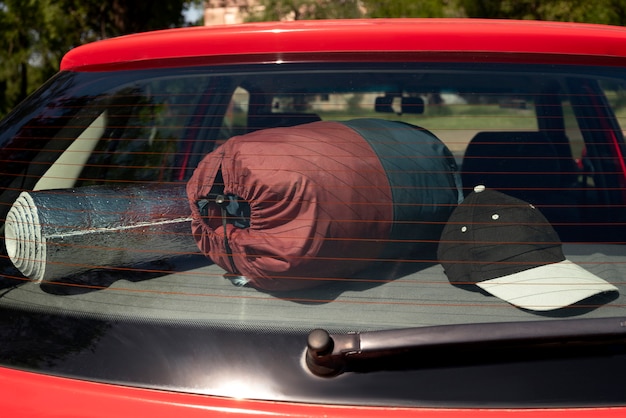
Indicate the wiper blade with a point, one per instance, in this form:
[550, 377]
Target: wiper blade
[332, 354]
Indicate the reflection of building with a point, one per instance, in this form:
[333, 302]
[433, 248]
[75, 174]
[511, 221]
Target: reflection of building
[227, 12]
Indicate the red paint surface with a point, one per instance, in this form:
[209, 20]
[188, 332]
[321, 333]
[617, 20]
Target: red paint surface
[274, 40]
[25, 394]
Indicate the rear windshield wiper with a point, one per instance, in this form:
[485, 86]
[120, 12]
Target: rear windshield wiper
[449, 345]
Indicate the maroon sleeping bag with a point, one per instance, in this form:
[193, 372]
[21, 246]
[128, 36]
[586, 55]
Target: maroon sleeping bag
[316, 202]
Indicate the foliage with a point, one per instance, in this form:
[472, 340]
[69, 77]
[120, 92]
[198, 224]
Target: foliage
[410, 8]
[274, 10]
[599, 11]
[348, 9]
[24, 42]
[36, 33]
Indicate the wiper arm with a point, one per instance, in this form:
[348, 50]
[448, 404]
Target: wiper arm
[332, 354]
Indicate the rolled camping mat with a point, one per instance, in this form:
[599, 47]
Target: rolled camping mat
[53, 234]
[326, 199]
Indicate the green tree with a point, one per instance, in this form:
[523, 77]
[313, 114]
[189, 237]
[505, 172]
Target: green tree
[23, 46]
[349, 9]
[274, 10]
[600, 11]
[521, 9]
[35, 34]
[108, 18]
[410, 8]
[612, 12]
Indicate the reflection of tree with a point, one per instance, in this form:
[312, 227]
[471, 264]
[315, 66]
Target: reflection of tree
[41, 139]
[38, 340]
[139, 144]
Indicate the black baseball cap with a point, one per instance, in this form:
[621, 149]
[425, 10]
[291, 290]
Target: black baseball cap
[506, 247]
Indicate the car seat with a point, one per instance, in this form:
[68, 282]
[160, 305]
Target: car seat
[521, 164]
[276, 120]
[525, 165]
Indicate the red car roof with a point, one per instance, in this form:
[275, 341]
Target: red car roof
[276, 40]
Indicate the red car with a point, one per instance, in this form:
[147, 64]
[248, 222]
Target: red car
[320, 218]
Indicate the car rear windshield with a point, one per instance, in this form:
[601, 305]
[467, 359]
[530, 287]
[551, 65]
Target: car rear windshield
[296, 196]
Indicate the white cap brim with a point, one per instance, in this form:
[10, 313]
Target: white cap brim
[547, 287]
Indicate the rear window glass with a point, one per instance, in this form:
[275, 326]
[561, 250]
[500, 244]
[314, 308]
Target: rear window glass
[296, 197]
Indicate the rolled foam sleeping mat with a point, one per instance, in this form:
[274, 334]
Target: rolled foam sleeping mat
[53, 234]
[325, 200]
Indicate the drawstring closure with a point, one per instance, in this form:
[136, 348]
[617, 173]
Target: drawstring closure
[223, 203]
[233, 210]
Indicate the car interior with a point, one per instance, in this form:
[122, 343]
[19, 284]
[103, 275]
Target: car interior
[532, 134]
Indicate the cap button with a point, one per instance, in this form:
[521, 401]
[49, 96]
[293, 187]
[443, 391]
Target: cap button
[480, 188]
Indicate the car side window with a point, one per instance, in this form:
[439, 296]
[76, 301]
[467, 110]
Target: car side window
[143, 125]
[235, 121]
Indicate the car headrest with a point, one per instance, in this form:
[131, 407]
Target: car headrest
[283, 119]
[518, 163]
